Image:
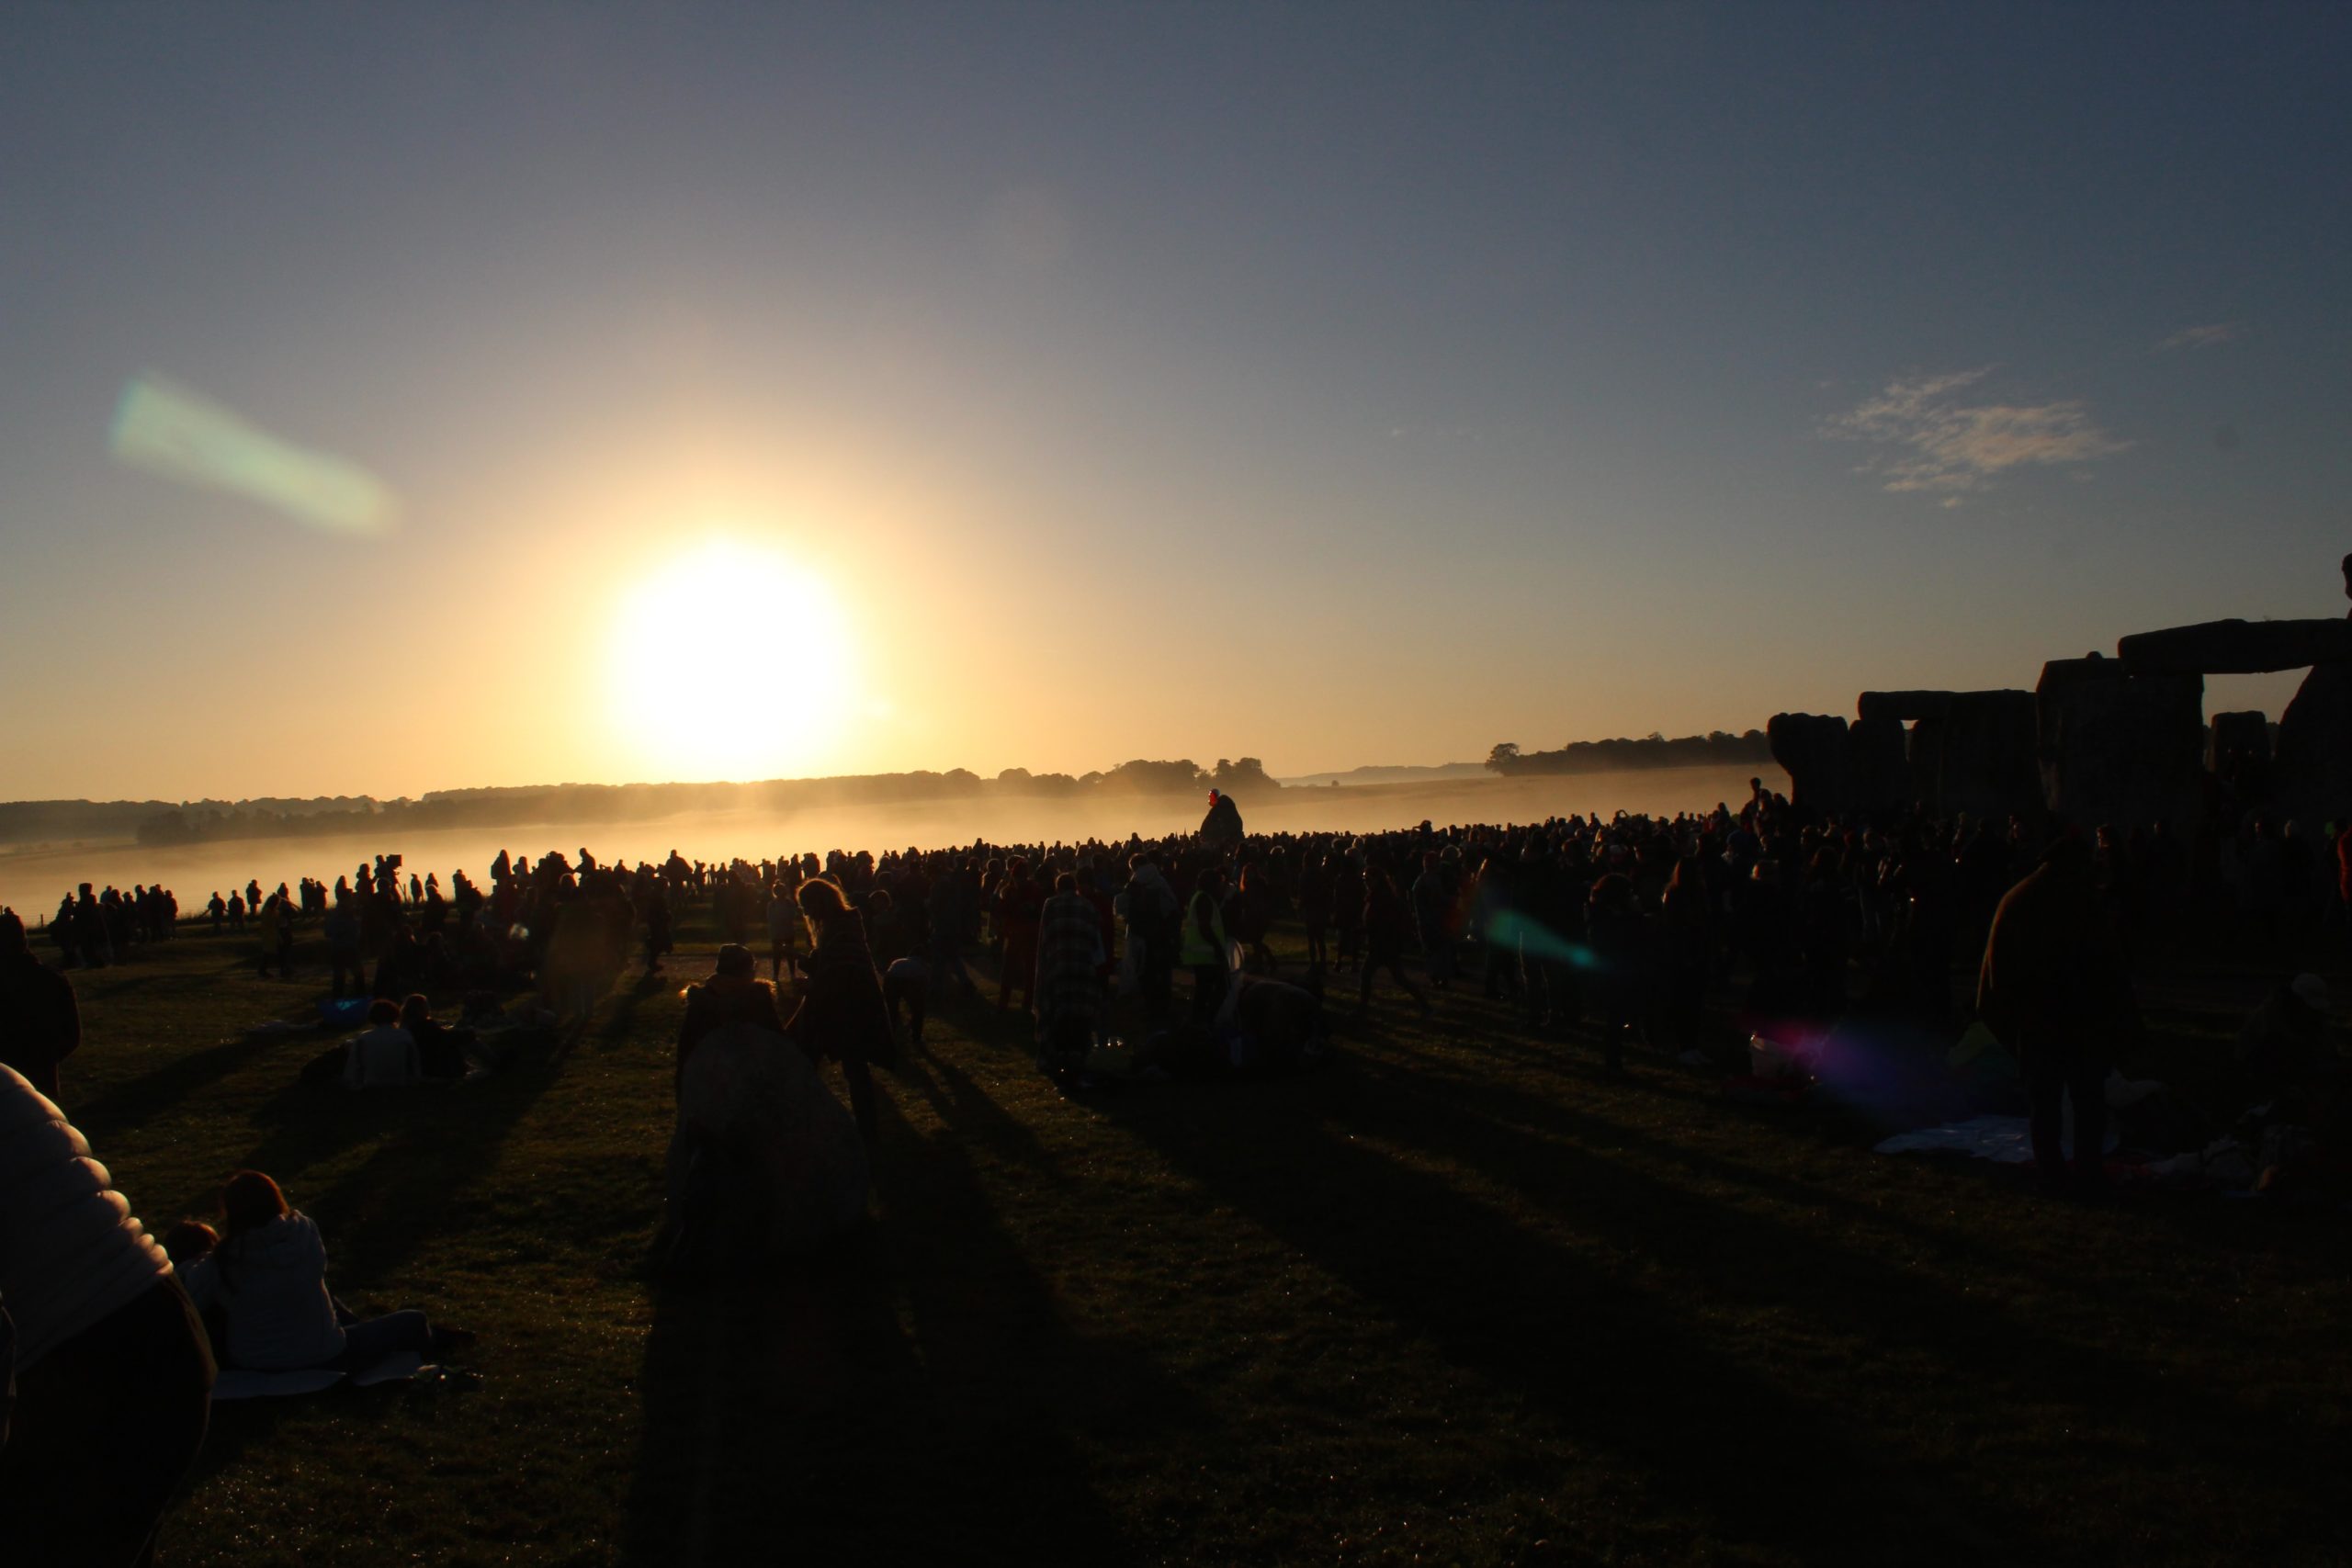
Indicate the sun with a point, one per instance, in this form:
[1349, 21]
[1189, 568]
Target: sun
[730, 661]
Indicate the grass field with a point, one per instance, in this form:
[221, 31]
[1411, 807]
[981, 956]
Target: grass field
[1456, 1298]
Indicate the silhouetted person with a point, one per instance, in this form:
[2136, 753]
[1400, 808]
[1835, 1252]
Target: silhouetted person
[2053, 987]
[842, 1013]
[1387, 925]
[1204, 943]
[1221, 826]
[40, 1024]
[1021, 905]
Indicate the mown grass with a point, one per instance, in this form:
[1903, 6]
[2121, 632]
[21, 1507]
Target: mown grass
[1456, 1298]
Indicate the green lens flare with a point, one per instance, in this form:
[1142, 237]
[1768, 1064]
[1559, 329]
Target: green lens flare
[172, 431]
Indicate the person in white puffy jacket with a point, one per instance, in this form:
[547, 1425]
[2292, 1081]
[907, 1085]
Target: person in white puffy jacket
[113, 1374]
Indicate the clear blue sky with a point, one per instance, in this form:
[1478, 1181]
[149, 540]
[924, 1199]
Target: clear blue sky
[1332, 384]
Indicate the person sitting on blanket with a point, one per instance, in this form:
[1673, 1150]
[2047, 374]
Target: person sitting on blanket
[268, 1281]
[386, 1056]
[441, 1050]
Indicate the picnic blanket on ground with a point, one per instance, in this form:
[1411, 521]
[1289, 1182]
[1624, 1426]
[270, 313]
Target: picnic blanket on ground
[2003, 1140]
[237, 1382]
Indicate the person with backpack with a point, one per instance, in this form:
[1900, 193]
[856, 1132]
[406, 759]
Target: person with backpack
[1151, 911]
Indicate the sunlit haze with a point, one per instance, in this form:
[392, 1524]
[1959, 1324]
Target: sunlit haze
[778, 391]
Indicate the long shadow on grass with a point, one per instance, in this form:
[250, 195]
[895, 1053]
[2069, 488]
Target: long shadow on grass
[916, 1397]
[1614, 1370]
[135, 1102]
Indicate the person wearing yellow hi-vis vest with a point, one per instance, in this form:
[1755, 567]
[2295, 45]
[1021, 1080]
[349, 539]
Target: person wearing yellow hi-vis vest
[1204, 943]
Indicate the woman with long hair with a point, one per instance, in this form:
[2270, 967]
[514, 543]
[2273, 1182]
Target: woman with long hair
[842, 1013]
[268, 1278]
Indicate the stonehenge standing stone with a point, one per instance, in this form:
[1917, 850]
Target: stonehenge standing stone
[1878, 771]
[1812, 749]
[2116, 748]
[1970, 752]
[2237, 752]
[1989, 766]
[2311, 773]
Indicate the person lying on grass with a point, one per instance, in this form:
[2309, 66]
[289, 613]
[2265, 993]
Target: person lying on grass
[267, 1281]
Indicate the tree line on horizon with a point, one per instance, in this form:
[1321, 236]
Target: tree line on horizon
[1716, 748]
[161, 823]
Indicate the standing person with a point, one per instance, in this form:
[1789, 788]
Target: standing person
[1069, 970]
[2055, 988]
[842, 1013]
[40, 1024]
[1614, 926]
[344, 952]
[1432, 896]
[1315, 881]
[1347, 912]
[1205, 943]
[784, 921]
[112, 1371]
[1385, 924]
[1152, 921]
[278, 936]
[1021, 905]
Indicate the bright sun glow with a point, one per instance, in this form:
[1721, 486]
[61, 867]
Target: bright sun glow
[731, 661]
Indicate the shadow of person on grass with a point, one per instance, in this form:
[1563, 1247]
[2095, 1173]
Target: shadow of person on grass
[1620, 1375]
[914, 1394]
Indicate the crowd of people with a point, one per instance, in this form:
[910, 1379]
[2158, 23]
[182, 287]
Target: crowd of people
[1683, 936]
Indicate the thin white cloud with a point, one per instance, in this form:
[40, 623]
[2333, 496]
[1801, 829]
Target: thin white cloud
[1935, 440]
[2213, 336]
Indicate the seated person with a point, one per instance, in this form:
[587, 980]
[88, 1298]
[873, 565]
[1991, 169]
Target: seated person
[386, 1056]
[441, 1050]
[267, 1280]
[2285, 1044]
[734, 993]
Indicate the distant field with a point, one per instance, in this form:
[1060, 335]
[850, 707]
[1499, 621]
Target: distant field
[1456, 1298]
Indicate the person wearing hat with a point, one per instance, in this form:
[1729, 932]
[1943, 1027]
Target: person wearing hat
[734, 993]
[40, 1024]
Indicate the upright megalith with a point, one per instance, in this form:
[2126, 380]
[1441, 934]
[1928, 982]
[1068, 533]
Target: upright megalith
[1990, 765]
[1878, 769]
[1810, 748]
[2237, 753]
[1970, 752]
[2120, 747]
[2311, 769]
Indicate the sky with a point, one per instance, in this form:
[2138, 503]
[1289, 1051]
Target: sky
[396, 398]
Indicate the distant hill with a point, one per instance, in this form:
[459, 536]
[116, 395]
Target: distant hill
[1388, 772]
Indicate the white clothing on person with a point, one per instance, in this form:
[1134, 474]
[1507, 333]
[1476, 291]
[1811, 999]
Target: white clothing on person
[72, 1252]
[384, 1058]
